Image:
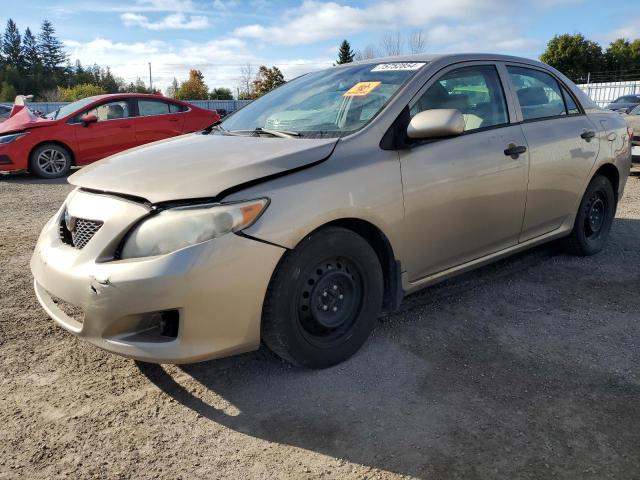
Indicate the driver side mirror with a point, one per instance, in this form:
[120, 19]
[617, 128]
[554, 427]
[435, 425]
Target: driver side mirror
[88, 119]
[436, 123]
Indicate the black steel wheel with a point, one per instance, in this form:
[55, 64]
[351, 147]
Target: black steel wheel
[594, 218]
[323, 299]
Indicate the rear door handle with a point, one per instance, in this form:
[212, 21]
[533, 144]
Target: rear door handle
[125, 126]
[588, 134]
[514, 151]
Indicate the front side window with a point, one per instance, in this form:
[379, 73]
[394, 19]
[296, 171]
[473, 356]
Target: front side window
[538, 93]
[475, 91]
[328, 103]
[110, 111]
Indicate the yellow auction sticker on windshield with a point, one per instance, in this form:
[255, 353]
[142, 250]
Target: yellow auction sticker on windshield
[361, 89]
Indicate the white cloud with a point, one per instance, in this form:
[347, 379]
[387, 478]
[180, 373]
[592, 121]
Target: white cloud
[219, 60]
[314, 20]
[173, 21]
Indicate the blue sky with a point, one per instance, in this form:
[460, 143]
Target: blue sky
[219, 36]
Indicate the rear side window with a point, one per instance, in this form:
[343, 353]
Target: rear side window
[175, 108]
[475, 91]
[152, 107]
[572, 108]
[538, 93]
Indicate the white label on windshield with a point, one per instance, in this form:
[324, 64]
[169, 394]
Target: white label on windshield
[389, 67]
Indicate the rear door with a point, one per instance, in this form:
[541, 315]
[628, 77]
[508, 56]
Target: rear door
[464, 196]
[112, 133]
[563, 147]
[158, 119]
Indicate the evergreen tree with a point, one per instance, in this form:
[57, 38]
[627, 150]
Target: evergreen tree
[51, 49]
[12, 45]
[345, 54]
[30, 52]
[172, 89]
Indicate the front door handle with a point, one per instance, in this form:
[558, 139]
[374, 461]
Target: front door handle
[588, 134]
[514, 151]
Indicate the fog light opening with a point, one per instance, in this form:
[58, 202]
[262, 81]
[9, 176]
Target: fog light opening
[169, 322]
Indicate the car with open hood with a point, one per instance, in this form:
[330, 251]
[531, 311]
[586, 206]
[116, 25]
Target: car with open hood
[389, 175]
[90, 129]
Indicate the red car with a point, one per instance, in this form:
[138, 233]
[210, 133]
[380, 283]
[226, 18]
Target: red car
[93, 128]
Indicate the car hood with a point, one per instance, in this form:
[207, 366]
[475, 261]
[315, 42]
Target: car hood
[23, 120]
[199, 166]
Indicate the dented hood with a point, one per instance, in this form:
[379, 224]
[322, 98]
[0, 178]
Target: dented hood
[198, 166]
[22, 119]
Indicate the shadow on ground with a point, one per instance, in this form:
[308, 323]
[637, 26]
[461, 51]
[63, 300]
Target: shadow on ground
[525, 368]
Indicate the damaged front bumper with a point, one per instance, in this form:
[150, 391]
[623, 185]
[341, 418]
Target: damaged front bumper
[197, 303]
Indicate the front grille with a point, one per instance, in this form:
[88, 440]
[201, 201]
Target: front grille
[82, 232]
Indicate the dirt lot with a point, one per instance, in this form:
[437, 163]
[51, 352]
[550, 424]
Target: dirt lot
[526, 369]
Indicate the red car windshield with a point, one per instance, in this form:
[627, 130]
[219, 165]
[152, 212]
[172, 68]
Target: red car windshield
[69, 109]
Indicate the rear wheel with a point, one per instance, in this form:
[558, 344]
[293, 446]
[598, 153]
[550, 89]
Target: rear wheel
[594, 218]
[50, 161]
[324, 299]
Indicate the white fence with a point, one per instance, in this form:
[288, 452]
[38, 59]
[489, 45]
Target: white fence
[226, 105]
[605, 93]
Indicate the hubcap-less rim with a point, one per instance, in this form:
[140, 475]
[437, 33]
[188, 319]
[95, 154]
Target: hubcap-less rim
[596, 212]
[329, 302]
[52, 161]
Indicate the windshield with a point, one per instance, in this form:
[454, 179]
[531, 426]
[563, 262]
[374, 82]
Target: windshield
[69, 109]
[329, 103]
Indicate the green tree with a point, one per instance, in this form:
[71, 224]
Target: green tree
[622, 55]
[266, 80]
[574, 55]
[221, 94]
[12, 45]
[193, 88]
[51, 49]
[109, 83]
[345, 54]
[30, 52]
[81, 91]
[7, 92]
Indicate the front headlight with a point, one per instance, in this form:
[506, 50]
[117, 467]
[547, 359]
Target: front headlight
[180, 227]
[12, 137]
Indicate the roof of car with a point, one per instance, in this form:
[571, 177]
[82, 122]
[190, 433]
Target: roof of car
[452, 57]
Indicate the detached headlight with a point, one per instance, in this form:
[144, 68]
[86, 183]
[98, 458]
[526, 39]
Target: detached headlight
[180, 227]
[12, 137]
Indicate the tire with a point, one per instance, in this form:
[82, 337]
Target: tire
[50, 160]
[593, 220]
[323, 300]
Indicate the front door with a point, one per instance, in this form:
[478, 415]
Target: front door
[464, 197]
[113, 132]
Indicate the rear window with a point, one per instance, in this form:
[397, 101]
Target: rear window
[628, 99]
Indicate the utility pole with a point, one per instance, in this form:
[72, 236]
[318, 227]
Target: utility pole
[150, 82]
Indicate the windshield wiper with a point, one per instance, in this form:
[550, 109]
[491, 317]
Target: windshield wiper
[278, 133]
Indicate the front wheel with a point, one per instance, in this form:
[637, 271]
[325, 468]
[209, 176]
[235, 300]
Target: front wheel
[50, 161]
[594, 218]
[323, 299]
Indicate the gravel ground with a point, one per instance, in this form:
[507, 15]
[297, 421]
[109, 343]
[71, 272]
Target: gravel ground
[529, 368]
